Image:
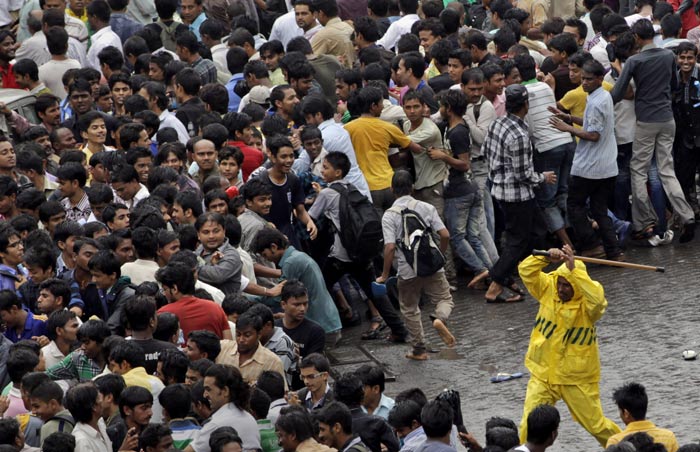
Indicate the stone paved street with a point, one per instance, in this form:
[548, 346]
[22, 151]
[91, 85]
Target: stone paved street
[651, 319]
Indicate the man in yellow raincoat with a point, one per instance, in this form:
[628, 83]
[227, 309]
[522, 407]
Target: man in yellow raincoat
[563, 354]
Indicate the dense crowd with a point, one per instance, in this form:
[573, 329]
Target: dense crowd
[208, 192]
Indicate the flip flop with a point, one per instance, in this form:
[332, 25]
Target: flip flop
[502, 299]
[517, 289]
[501, 377]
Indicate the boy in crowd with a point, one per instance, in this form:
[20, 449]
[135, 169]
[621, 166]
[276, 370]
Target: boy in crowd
[114, 289]
[47, 404]
[62, 330]
[19, 323]
[140, 315]
[375, 401]
[307, 335]
[177, 403]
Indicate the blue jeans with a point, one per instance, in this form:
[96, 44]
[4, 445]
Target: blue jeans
[658, 198]
[480, 174]
[552, 197]
[464, 218]
[623, 184]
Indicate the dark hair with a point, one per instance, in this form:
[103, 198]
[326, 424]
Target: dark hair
[272, 383]
[633, 398]
[216, 96]
[542, 421]
[99, 9]
[339, 161]
[112, 57]
[153, 433]
[643, 29]
[189, 80]
[414, 62]
[94, 330]
[80, 400]
[436, 418]
[336, 413]
[404, 413]
[58, 442]
[57, 40]
[293, 289]
[686, 47]
[236, 59]
[130, 352]
[20, 361]
[371, 376]
[227, 376]
[8, 299]
[526, 66]
[296, 422]
[176, 274]
[106, 262]
[476, 39]
[275, 143]
[57, 288]
[249, 319]
[564, 42]
[133, 396]
[176, 398]
[349, 389]
[671, 25]
[579, 58]
[504, 39]
[47, 391]
[450, 19]
[26, 66]
[317, 361]
[111, 384]
[72, 171]
[207, 342]
[189, 200]
[315, 103]
[407, 43]
[594, 67]
[503, 437]
[268, 236]
[168, 326]
[139, 311]
[259, 403]
[414, 394]
[223, 436]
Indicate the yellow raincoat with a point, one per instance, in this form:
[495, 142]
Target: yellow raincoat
[563, 354]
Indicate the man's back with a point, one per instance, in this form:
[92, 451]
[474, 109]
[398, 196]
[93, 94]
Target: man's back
[654, 74]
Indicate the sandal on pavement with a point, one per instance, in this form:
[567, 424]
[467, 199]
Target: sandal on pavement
[374, 333]
[500, 298]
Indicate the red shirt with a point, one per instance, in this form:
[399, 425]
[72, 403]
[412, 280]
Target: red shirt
[8, 78]
[252, 158]
[198, 314]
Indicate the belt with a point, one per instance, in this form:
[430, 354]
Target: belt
[478, 159]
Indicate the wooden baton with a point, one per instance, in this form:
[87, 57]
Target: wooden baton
[593, 260]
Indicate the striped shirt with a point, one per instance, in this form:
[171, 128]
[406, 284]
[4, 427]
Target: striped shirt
[206, 69]
[544, 136]
[184, 431]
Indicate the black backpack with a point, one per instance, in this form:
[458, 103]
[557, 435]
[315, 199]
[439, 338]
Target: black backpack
[361, 232]
[418, 243]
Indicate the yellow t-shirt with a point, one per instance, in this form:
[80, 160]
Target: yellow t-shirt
[575, 100]
[372, 138]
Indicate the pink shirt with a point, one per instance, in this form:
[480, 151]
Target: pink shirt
[16, 404]
[499, 104]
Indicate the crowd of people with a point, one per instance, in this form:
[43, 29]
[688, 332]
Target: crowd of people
[211, 191]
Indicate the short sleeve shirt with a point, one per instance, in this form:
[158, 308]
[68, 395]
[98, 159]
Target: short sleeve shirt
[372, 138]
[393, 229]
[597, 159]
[328, 204]
[428, 171]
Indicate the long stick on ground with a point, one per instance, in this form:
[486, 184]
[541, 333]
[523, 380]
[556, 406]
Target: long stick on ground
[593, 260]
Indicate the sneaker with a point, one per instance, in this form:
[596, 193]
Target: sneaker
[654, 240]
[667, 238]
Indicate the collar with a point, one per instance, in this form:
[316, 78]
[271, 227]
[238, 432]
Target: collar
[308, 393]
[649, 46]
[351, 442]
[146, 263]
[528, 82]
[101, 32]
[335, 20]
[415, 433]
[287, 253]
[638, 426]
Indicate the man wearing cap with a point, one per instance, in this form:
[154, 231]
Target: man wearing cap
[563, 353]
[508, 151]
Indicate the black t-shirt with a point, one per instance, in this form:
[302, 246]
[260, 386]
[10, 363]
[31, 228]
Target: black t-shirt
[308, 336]
[441, 82]
[458, 182]
[285, 198]
[151, 350]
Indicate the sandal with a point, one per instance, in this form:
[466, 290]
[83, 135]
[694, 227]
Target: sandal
[374, 333]
[517, 289]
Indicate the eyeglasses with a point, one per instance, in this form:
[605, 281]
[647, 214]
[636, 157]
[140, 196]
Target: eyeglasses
[312, 376]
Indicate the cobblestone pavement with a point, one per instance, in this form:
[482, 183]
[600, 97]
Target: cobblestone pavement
[651, 319]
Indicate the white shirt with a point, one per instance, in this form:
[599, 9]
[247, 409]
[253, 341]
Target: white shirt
[215, 293]
[52, 355]
[140, 271]
[167, 119]
[51, 74]
[5, 8]
[35, 49]
[87, 439]
[218, 55]
[101, 39]
[396, 30]
[285, 28]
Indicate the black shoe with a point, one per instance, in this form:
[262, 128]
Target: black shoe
[687, 233]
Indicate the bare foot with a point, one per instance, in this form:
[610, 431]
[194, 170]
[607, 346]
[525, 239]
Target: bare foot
[444, 333]
[417, 357]
[477, 279]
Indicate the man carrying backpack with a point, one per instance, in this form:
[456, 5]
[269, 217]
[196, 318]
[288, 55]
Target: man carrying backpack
[409, 226]
[357, 229]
